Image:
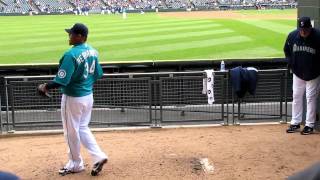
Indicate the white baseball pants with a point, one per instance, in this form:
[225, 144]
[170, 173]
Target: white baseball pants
[76, 115]
[311, 88]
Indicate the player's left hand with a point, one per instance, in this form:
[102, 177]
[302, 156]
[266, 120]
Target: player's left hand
[43, 91]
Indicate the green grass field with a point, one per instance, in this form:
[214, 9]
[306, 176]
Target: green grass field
[148, 37]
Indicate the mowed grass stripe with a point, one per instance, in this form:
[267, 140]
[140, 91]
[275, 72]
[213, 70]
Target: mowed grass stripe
[155, 31]
[141, 45]
[287, 23]
[23, 51]
[106, 38]
[93, 21]
[28, 22]
[97, 27]
[167, 37]
[268, 11]
[153, 26]
[269, 25]
[49, 36]
[52, 20]
[175, 46]
[55, 42]
[247, 52]
[50, 57]
[252, 52]
[113, 31]
[209, 52]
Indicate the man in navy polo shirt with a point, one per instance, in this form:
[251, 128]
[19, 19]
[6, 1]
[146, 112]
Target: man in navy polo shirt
[302, 51]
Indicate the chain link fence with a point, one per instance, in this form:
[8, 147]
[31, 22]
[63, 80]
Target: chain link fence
[149, 99]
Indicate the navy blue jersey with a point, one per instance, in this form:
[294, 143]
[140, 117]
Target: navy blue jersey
[303, 54]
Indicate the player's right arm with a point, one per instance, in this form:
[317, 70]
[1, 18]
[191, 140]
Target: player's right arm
[288, 49]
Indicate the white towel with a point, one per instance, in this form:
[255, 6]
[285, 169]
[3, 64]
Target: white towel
[204, 85]
[252, 69]
[209, 85]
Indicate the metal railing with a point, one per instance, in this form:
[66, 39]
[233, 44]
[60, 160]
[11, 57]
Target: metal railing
[269, 101]
[1, 130]
[149, 99]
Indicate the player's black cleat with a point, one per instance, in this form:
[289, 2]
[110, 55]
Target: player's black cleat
[64, 171]
[293, 128]
[307, 130]
[97, 167]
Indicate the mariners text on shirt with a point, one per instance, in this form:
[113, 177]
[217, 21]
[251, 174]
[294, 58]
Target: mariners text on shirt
[304, 49]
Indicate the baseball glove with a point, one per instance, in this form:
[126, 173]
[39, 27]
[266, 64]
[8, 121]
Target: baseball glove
[43, 91]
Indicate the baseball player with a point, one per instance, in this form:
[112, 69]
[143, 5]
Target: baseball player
[79, 68]
[302, 51]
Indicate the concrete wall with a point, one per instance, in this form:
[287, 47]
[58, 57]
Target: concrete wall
[310, 8]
